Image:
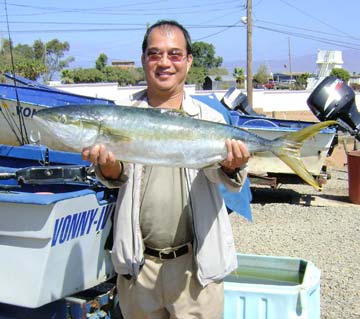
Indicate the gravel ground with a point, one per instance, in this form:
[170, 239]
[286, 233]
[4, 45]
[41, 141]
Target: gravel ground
[321, 227]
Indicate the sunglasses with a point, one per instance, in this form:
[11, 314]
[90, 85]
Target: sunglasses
[174, 55]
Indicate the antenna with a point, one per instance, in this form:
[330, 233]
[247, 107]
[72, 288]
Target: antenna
[23, 134]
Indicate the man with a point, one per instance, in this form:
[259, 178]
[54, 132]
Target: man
[173, 243]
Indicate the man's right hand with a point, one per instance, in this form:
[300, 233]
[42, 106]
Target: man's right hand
[106, 161]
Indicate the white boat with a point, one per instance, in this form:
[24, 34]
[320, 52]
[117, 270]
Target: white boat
[55, 223]
[266, 168]
[313, 153]
[19, 103]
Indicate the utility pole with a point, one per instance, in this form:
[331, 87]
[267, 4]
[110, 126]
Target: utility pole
[290, 65]
[1, 41]
[249, 75]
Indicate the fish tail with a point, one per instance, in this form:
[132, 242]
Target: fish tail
[289, 146]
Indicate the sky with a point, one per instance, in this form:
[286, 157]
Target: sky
[283, 30]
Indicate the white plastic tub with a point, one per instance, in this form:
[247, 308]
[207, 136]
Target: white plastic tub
[266, 287]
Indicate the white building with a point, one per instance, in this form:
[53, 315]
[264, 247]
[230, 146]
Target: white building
[326, 61]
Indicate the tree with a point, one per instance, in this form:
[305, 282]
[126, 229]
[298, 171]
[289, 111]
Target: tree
[39, 50]
[137, 73]
[114, 74]
[25, 51]
[239, 75]
[40, 59]
[204, 55]
[196, 75]
[301, 81]
[262, 74]
[218, 71]
[341, 73]
[81, 75]
[108, 74]
[30, 68]
[101, 62]
[67, 76]
[25, 62]
[55, 50]
[5, 59]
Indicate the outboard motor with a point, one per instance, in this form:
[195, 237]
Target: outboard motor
[235, 100]
[333, 99]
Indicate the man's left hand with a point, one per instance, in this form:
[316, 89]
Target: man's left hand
[237, 156]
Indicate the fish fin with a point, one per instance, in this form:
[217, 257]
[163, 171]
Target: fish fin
[309, 131]
[297, 165]
[289, 146]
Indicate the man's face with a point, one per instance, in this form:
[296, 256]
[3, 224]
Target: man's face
[165, 60]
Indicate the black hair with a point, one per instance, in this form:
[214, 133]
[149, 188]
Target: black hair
[172, 23]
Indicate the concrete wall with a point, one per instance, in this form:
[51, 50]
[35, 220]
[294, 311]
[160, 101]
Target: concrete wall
[110, 91]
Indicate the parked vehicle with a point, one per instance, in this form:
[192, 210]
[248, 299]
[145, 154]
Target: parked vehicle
[270, 85]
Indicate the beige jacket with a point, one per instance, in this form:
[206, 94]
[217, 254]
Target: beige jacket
[214, 248]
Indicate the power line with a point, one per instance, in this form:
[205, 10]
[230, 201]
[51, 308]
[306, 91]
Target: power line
[140, 26]
[78, 30]
[318, 39]
[233, 6]
[315, 18]
[302, 28]
[135, 27]
[74, 23]
[224, 29]
[136, 9]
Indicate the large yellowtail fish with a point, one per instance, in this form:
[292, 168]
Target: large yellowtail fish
[163, 137]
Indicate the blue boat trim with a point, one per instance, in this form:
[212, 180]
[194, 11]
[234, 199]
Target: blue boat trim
[45, 97]
[16, 156]
[272, 124]
[41, 198]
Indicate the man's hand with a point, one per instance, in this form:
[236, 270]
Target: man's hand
[99, 155]
[237, 156]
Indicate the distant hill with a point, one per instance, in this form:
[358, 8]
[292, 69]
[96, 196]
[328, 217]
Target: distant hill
[352, 60]
[305, 63]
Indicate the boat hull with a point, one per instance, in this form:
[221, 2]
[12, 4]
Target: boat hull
[313, 153]
[25, 102]
[55, 237]
[9, 109]
[50, 254]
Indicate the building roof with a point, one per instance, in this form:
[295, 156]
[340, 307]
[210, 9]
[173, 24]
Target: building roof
[122, 62]
[223, 78]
